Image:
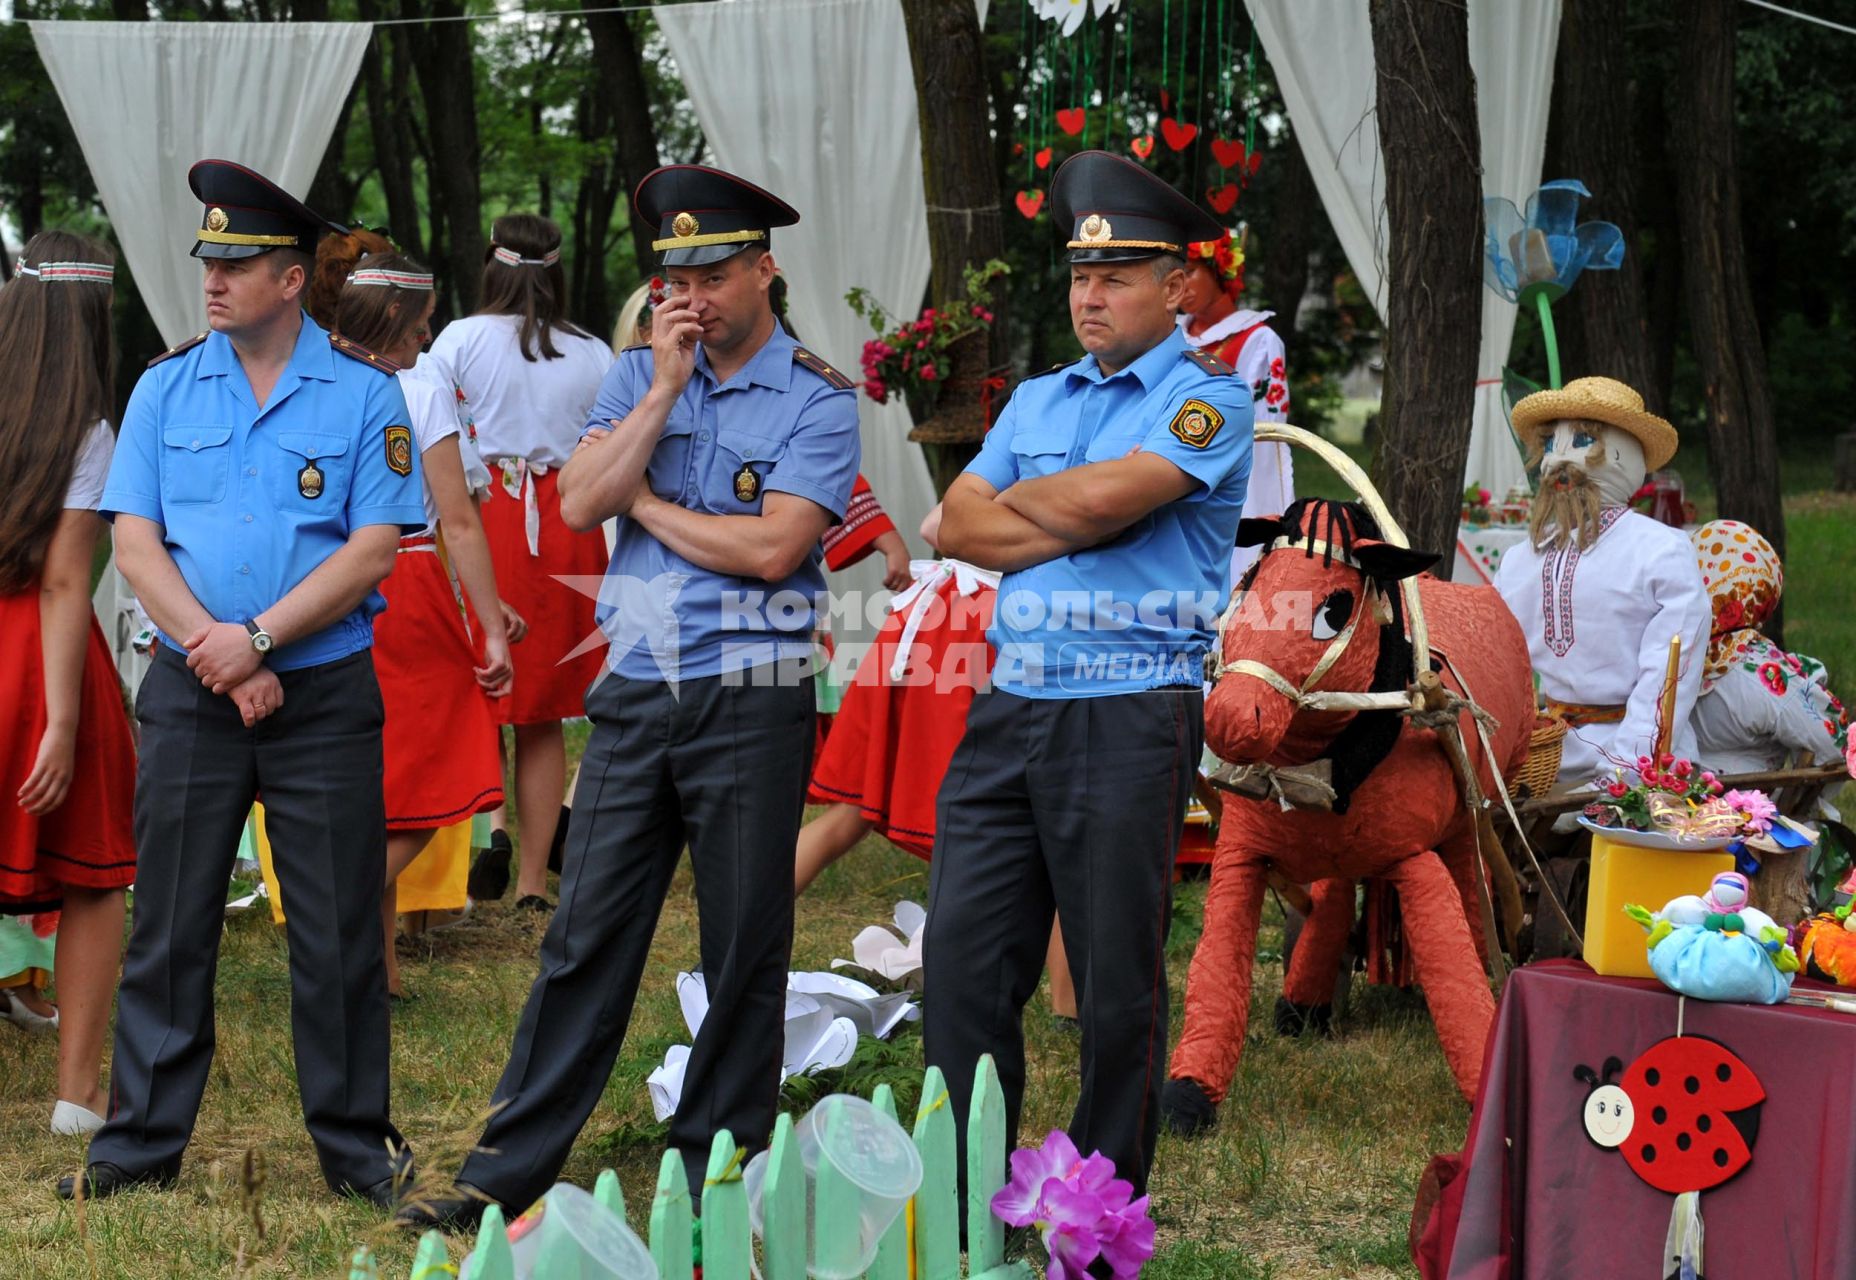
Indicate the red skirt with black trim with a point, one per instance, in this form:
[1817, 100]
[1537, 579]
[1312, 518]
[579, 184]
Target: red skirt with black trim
[892, 740]
[88, 841]
[559, 618]
[440, 734]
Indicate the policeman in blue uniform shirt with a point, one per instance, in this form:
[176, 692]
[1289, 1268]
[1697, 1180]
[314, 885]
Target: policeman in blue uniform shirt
[1109, 494]
[264, 474]
[727, 450]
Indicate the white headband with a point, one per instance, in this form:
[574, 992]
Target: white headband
[71, 272]
[396, 279]
[510, 258]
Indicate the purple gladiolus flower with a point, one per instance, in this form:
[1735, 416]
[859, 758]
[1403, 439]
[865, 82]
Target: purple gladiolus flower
[1082, 1209]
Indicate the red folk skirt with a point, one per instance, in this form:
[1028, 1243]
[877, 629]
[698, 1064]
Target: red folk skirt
[440, 735]
[892, 740]
[88, 841]
[559, 618]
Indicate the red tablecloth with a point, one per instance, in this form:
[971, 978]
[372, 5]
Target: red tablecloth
[1540, 1199]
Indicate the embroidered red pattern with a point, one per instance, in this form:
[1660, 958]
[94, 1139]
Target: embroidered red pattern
[1556, 575]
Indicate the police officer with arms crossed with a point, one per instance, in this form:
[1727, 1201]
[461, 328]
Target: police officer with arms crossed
[1109, 494]
[264, 475]
[728, 450]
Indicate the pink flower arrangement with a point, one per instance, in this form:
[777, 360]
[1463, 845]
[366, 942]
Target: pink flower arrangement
[1082, 1209]
[1676, 797]
[910, 357]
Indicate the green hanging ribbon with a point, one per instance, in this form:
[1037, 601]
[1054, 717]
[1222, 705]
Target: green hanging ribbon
[1250, 96]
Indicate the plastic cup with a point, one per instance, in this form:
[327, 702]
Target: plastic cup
[569, 1235]
[872, 1169]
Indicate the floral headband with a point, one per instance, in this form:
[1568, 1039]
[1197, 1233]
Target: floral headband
[71, 272]
[510, 258]
[1224, 257]
[418, 280]
[658, 294]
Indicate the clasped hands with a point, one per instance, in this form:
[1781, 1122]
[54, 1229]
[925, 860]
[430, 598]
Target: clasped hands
[220, 654]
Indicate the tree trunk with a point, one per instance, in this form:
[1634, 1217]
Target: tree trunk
[965, 214]
[1743, 443]
[620, 80]
[1432, 144]
[1295, 212]
[129, 10]
[386, 103]
[331, 192]
[1591, 95]
[441, 58]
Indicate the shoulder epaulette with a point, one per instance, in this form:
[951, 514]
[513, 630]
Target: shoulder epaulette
[355, 351]
[1056, 368]
[184, 347]
[636, 346]
[1209, 362]
[837, 380]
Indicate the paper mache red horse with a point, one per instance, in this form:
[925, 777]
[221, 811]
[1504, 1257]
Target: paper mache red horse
[1397, 813]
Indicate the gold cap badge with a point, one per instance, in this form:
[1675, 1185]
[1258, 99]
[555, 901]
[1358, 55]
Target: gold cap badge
[684, 225]
[216, 220]
[1095, 229]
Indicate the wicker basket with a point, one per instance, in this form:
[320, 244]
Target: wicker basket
[1541, 769]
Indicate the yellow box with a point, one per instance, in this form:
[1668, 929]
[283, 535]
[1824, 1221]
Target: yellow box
[1621, 873]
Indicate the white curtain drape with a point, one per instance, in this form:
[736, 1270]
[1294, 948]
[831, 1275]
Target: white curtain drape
[148, 99]
[1322, 53]
[815, 100]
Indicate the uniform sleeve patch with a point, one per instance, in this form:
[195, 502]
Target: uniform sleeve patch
[1196, 423]
[399, 450]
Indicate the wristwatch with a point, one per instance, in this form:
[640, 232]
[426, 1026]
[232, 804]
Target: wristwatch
[260, 638]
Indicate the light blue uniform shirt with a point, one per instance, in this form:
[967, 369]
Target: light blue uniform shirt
[223, 478]
[668, 619]
[1139, 611]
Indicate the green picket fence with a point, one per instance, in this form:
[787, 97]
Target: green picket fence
[924, 1243]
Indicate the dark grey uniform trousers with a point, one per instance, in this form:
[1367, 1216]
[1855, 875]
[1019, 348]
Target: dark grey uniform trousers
[316, 764]
[1074, 806]
[719, 763]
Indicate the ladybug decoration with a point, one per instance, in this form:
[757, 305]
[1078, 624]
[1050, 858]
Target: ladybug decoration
[1684, 1116]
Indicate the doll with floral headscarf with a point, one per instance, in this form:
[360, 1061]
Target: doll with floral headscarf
[1212, 320]
[1598, 589]
[1759, 704]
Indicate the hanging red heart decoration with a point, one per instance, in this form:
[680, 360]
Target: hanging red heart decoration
[1018, 148]
[1228, 154]
[1222, 198]
[1178, 136]
[1071, 120]
[1029, 202]
[1043, 158]
[1142, 146]
[1255, 162]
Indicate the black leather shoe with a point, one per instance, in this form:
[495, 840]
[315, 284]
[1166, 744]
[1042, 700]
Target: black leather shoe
[387, 1193]
[103, 1179]
[459, 1213]
[489, 874]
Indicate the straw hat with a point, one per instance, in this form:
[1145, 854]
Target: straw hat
[1601, 400]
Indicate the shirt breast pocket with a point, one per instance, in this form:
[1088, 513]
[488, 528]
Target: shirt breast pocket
[742, 464]
[314, 472]
[1041, 451]
[670, 461]
[195, 461]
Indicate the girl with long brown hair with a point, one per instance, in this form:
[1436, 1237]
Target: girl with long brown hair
[530, 375]
[438, 681]
[66, 838]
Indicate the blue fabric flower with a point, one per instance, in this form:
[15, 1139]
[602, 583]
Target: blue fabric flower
[1544, 248]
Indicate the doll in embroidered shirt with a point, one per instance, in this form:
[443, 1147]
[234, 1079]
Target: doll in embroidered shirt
[1599, 590]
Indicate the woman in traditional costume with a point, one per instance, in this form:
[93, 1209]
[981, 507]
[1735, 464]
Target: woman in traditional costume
[530, 376]
[66, 834]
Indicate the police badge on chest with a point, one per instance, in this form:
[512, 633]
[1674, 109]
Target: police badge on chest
[309, 481]
[747, 484]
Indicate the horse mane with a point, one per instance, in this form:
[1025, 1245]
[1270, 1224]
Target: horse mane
[1369, 737]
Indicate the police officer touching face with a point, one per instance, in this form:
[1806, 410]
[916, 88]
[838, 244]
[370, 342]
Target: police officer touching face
[726, 450]
[263, 477]
[1109, 494]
